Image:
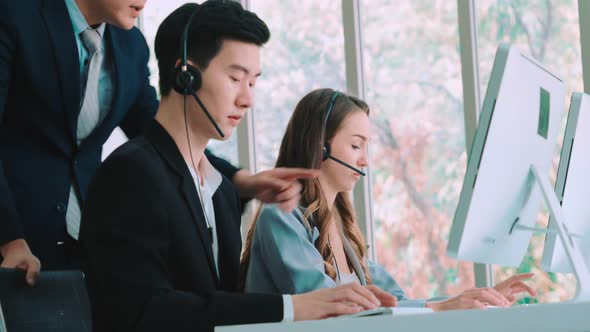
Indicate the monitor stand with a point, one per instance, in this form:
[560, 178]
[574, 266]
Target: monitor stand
[573, 252]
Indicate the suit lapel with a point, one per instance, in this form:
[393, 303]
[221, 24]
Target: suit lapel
[189, 193]
[228, 237]
[121, 60]
[169, 151]
[66, 55]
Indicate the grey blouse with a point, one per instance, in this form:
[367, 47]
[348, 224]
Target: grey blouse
[284, 260]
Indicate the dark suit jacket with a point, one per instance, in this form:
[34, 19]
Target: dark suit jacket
[149, 257]
[39, 108]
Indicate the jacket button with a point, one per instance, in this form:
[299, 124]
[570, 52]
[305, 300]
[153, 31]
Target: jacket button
[61, 208]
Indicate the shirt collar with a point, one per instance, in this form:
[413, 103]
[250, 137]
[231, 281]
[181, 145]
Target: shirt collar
[211, 177]
[78, 21]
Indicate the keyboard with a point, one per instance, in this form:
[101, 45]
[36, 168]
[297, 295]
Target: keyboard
[388, 311]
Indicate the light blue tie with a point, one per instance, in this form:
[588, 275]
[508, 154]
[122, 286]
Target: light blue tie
[89, 116]
[90, 111]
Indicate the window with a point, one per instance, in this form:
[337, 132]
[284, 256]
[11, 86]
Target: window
[305, 52]
[413, 84]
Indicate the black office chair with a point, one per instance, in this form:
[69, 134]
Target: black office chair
[57, 303]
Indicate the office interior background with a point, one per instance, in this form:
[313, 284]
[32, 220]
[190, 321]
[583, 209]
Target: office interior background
[423, 67]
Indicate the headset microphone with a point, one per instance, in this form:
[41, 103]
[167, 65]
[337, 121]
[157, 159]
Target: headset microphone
[327, 155]
[194, 94]
[326, 150]
[188, 78]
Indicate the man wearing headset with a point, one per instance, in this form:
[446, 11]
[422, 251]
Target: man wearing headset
[161, 227]
[70, 72]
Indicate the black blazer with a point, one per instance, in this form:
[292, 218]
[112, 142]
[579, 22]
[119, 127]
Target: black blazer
[39, 108]
[149, 257]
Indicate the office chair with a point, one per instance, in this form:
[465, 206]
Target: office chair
[57, 303]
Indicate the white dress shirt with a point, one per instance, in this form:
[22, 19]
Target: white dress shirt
[211, 180]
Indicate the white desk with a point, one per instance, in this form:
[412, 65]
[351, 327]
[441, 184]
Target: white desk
[540, 317]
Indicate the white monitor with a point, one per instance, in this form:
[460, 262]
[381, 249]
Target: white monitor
[518, 129]
[572, 188]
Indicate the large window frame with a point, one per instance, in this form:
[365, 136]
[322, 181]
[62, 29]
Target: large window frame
[355, 85]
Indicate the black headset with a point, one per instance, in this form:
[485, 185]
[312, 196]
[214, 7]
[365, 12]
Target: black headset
[326, 149]
[187, 78]
[187, 81]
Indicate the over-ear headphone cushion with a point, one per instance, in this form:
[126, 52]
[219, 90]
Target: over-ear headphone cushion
[326, 151]
[188, 81]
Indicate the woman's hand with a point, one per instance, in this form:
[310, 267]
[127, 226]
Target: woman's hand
[476, 298]
[515, 285]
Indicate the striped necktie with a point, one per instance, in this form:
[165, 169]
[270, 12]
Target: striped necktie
[89, 117]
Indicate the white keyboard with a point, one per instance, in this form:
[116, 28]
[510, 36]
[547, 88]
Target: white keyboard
[389, 311]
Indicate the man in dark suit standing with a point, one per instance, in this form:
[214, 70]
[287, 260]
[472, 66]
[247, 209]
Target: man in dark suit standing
[70, 72]
[161, 227]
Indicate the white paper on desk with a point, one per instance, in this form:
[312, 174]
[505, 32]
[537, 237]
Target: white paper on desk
[388, 311]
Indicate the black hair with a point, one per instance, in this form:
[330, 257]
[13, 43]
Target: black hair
[214, 22]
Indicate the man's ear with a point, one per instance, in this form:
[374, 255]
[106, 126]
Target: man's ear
[192, 64]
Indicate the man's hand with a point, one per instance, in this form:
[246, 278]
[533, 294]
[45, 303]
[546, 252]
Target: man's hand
[515, 285]
[476, 298]
[342, 300]
[278, 185]
[17, 255]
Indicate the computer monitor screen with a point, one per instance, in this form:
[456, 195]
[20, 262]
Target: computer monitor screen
[518, 127]
[572, 188]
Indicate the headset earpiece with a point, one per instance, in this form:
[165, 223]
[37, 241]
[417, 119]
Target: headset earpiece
[326, 151]
[187, 82]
